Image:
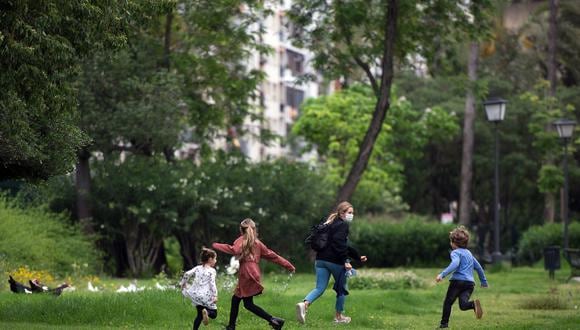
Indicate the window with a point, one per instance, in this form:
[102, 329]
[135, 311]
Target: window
[295, 62]
[294, 97]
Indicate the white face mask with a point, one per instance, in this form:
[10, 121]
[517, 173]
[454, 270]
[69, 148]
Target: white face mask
[348, 217]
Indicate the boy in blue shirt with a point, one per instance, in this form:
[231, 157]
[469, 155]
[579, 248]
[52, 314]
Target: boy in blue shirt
[461, 284]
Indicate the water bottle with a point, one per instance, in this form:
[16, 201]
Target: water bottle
[351, 272]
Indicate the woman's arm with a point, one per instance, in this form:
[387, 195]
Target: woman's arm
[270, 255]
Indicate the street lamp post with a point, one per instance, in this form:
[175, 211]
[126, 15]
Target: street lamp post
[565, 129]
[495, 111]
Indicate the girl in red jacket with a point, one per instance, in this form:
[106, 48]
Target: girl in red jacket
[249, 250]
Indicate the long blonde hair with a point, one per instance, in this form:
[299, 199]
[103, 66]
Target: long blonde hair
[248, 230]
[340, 208]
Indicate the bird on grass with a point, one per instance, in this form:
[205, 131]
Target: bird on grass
[35, 287]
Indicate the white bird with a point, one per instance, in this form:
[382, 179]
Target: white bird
[92, 288]
[122, 289]
[234, 266]
[70, 288]
[161, 287]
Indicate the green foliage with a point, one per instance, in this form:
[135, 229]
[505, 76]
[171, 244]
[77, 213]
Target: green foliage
[550, 178]
[544, 302]
[181, 77]
[149, 198]
[41, 45]
[336, 125]
[383, 280]
[343, 34]
[412, 242]
[43, 241]
[544, 111]
[536, 238]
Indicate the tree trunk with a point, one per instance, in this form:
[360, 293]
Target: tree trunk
[550, 198]
[186, 249]
[468, 137]
[143, 249]
[160, 263]
[83, 190]
[381, 108]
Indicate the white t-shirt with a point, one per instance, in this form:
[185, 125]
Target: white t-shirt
[203, 290]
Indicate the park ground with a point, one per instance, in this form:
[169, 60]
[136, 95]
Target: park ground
[518, 298]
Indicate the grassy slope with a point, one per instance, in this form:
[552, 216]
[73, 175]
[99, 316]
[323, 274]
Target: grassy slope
[393, 309]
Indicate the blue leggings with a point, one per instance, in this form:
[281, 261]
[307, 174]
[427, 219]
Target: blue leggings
[323, 271]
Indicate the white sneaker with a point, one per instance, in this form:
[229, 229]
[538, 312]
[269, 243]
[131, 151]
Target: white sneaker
[342, 319]
[301, 312]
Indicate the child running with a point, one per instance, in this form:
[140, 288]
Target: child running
[461, 283]
[249, 250]
[203, 291]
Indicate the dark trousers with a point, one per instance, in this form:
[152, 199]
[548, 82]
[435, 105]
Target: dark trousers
[249, 305]
[212, 313]
[461, 289]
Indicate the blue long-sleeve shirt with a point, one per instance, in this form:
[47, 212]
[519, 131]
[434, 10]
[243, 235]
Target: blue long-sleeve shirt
[462, 265]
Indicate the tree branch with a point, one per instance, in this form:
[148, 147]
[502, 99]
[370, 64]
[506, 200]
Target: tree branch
[366, 68]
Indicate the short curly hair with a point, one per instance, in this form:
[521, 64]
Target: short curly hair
[459, 236]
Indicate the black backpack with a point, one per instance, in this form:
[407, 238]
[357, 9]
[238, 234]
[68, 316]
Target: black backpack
[319, 236]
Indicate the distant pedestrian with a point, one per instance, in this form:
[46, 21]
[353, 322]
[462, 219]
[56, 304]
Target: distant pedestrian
[203, 291]
[461, 284]
[333, 259]
[249, 250]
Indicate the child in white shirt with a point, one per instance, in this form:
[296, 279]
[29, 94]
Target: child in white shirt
[203, 291]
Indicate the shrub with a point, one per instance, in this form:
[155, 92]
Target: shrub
[379, 279]
[412, 242]
[551, 302]
[42, 241]
[536, 238]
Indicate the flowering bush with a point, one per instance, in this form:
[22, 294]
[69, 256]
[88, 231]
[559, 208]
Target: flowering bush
[368, 279]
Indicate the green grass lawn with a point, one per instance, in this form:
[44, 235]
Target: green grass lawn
[518, 298]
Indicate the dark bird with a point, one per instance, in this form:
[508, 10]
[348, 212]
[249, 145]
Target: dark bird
[37, 287]
[17, 287]
[58, 290]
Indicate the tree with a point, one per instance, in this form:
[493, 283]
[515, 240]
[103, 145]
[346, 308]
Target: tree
[181, 78]
[41, 44]
[335, 124]
[371, 36]
[478, 30]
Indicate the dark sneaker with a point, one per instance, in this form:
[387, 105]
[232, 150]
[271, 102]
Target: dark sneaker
[443, 326]
[301, 312]
[478, 310]
[204, 317]
[277, 323]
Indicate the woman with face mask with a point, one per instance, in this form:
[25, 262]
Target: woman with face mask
[333, 260]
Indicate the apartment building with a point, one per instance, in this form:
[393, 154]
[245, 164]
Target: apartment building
[280, 95]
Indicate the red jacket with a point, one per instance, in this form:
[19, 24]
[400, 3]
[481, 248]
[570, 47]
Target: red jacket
[249, 275]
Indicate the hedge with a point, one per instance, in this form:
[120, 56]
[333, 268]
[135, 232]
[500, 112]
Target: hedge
[412, 242]
[536, 238]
